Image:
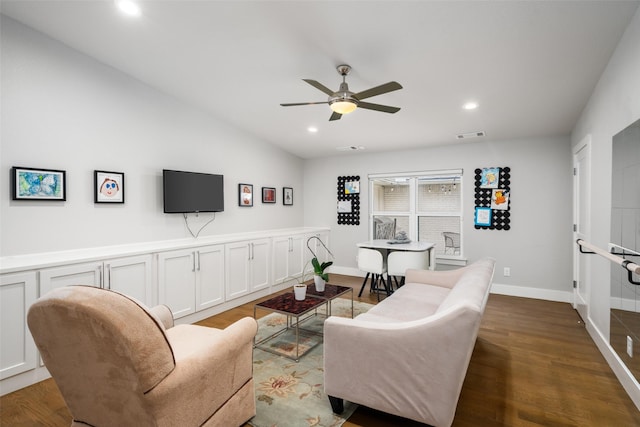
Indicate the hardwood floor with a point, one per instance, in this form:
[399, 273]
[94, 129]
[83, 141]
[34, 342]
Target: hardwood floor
[533, 365]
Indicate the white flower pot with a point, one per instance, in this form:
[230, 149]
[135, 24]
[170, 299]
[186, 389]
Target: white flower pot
[300, 292]
[319, 281]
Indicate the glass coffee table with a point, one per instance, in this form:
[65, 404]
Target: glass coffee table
[296, 313]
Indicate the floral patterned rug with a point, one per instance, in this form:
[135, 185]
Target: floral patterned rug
[289, 393]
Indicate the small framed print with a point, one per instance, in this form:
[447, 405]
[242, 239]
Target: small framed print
[38, 184]
[287, 196]
[344, 206]
[352, 187]
[245, 195]
[482, 217]
[490, 178]
[108, 187]
[268, 195]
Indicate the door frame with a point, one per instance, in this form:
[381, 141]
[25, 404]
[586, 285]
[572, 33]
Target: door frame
[581, 225]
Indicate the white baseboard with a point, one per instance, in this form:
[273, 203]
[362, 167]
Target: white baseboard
[625, 304]
[496, 288]
[535, 293]
[626, 378]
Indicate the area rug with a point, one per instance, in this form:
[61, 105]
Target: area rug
[289, 393]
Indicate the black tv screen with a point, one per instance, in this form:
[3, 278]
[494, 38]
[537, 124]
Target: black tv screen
[192, 192]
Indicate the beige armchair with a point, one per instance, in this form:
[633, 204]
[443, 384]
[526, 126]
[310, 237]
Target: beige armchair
[118, 363]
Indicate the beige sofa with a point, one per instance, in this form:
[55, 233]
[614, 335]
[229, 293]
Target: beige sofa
[118, 363]
[409, 354]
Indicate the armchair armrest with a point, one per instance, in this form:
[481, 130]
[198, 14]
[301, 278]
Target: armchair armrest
[211, 364]
[163, 314]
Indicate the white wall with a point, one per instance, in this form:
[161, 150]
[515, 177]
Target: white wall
[614, 105]
[538, 246]
[64, 110]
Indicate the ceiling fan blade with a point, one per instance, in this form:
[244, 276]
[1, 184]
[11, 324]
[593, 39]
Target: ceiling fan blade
[303, 103]
[378, 90]
[319, 86]
[378, 107]
[335, 116]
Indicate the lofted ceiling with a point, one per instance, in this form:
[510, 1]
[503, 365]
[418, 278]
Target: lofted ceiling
[530, 65]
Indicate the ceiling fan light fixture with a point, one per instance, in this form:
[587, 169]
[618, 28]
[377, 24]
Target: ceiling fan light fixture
[343, 107]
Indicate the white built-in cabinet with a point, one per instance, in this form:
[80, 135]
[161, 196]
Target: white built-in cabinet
[17, 350]
[288, 257]
[191, 280]
[129, 275]
[247, 267]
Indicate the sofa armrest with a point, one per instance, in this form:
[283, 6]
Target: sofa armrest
[211, 364]
[163, 314]
[411, 369]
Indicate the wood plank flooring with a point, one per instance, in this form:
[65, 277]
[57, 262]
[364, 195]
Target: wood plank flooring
[533, 365]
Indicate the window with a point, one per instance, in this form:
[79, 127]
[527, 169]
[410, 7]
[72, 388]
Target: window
[427, 206]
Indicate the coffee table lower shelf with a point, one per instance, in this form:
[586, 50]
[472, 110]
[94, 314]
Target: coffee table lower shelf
[296, 313]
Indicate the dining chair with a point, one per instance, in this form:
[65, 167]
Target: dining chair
[374, 264]
[451, 242]
[399, 261]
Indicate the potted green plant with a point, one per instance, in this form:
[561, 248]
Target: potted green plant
[320, 278]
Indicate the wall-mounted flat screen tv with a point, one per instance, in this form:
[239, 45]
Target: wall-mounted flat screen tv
[186, 192]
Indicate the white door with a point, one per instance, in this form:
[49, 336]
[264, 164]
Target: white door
[582, 224]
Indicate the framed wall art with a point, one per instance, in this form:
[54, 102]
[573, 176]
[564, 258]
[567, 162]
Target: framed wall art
[287, 196]
[38, 184]
[245, 195]
[268, 195]
[482, 217]
[108, 187]
[349, 200]
[352, 187]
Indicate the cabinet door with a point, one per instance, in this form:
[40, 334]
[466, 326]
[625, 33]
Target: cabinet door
[130, 276]
[317, 248]
[210, 276]
[237, 273]
[288, 257]
[89, 274]
[17, 350]
[260, 250]
[281, 248]
[176, 281]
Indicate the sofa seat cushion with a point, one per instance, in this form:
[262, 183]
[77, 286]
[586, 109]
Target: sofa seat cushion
[412, 301]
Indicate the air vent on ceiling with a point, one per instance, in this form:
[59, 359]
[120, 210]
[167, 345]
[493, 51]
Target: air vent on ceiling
[350, 148]
[471, 135]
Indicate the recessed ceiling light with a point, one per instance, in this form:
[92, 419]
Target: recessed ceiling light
[128, 7]
[312, 129]
[470, 106]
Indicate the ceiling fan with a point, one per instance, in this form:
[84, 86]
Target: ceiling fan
[344, 101]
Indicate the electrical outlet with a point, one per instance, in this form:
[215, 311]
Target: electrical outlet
[629, 346]
[507, 272]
